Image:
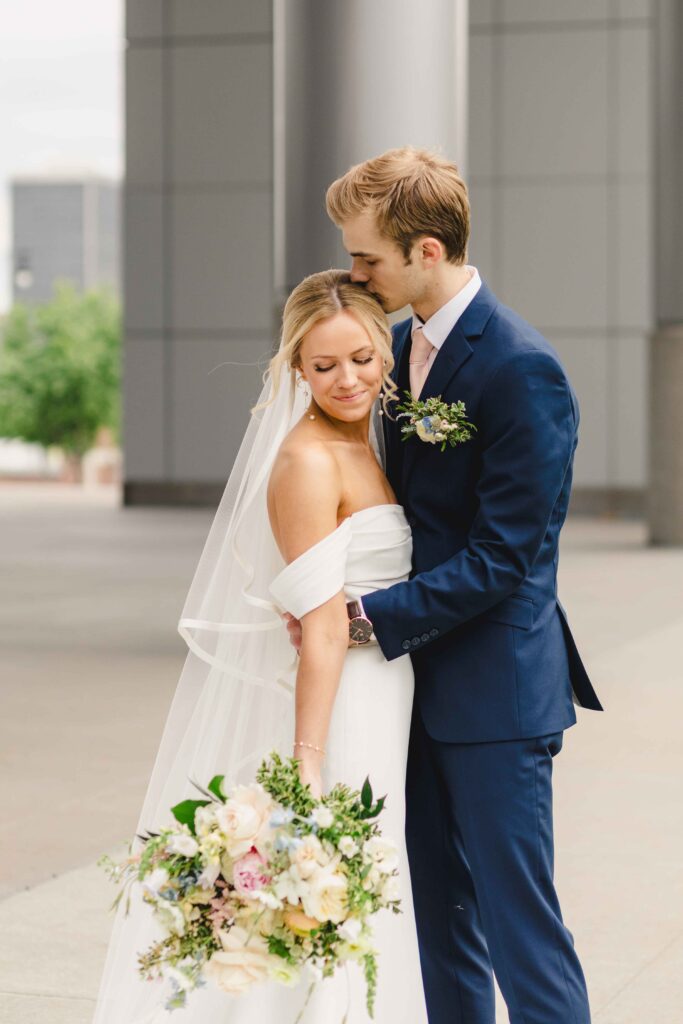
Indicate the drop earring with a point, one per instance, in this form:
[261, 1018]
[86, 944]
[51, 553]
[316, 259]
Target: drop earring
[302, 383]
[381, 399]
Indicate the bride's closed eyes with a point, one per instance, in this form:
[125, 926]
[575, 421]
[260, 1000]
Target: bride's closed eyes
[359, 362]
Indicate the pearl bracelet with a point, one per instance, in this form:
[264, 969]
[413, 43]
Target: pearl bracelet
[310, 746]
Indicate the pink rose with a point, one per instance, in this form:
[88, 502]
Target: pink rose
[248, 873]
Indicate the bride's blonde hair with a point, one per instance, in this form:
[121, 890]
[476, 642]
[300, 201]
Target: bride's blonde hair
[319, 297]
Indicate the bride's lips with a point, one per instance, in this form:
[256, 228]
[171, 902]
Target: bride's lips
[349, 398]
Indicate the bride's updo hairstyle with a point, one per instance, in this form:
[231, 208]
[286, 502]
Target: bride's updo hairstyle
[320, 297]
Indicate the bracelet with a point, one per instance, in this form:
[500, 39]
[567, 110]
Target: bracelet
[310, 746]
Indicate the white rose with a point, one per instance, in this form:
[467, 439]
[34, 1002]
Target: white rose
[323, 817]
[308, 855]
[183, 844]
[327, 896]
[242, 962]
[348, 846]
[382, 853]
[245, 820]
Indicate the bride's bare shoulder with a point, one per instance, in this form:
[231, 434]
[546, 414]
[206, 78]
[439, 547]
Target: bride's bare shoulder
[304, 493]
[304, 463]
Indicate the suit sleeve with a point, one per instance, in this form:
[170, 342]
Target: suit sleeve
[526, 424]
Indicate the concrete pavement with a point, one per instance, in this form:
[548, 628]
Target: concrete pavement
[90, 657]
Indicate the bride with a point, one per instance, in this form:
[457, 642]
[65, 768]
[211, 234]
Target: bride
[308, 521]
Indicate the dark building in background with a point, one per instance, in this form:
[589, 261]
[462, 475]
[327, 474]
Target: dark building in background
[64, 229]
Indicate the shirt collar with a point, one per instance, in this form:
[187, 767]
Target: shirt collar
[441, 323]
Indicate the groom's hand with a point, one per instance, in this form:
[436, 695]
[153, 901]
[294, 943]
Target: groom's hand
[294, 630]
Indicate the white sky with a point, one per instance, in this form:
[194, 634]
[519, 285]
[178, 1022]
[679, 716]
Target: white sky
[61, 96]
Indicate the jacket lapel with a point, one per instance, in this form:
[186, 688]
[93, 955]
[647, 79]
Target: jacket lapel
[450, 358]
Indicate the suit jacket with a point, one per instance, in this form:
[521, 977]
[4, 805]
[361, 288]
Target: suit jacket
[493, 654]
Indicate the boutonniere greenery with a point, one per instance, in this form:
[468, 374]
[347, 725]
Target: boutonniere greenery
[435, 421]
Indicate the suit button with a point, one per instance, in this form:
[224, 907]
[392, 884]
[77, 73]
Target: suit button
[425, 638]
[415, 641]
[434, 632]
[406, 645]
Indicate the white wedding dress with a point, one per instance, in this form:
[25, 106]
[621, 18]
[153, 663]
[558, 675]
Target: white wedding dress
[368, 736]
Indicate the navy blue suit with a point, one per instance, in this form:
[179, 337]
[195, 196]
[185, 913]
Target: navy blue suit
[495, 667]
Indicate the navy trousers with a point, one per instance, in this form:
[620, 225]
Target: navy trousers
[479, 831]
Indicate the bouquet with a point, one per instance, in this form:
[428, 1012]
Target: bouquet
[262, 882]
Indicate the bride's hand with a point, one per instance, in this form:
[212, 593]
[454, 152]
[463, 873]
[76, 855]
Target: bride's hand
[310, 764]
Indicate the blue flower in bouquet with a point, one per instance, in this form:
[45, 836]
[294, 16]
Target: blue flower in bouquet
[281, 817]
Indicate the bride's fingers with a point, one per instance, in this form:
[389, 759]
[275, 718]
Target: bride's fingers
[294, 630]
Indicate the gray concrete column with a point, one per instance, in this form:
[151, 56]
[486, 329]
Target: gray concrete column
[353, 79]
[666, 348]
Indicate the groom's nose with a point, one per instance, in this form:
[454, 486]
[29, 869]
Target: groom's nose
[358, 276]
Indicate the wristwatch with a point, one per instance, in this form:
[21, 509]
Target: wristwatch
[360, 627]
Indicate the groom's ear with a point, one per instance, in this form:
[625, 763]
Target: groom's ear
[430, 251]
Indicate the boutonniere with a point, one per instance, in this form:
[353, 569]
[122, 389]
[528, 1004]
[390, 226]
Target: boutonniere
[435, 421]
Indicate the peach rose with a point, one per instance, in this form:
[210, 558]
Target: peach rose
[298, 922]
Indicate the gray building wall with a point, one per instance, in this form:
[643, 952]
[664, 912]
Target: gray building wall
[559, 163]
[561, 180]
[198, 239]
[64, 230]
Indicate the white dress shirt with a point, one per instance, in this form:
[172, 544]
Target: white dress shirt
[441, 323]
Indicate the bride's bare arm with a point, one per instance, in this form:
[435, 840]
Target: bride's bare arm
[304, 497]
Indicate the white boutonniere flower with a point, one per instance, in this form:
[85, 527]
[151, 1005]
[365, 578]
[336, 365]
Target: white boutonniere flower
[435, 421]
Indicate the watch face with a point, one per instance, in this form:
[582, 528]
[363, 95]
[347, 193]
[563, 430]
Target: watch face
[360, 630]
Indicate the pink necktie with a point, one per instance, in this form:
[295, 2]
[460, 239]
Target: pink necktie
[419, 357]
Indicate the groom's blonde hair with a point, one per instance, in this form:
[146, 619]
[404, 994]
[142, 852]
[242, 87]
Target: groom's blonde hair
[412, 192]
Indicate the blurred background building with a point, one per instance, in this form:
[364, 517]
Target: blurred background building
[64, 229]
[239, 113]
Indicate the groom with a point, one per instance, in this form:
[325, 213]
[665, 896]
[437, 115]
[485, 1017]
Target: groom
[495, 663]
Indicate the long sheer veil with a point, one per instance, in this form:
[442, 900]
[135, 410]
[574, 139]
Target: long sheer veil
[234, 700]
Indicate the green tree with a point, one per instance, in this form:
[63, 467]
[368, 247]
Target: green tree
[60, 369]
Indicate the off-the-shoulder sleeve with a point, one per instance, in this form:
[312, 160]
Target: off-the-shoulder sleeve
[316, 576]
